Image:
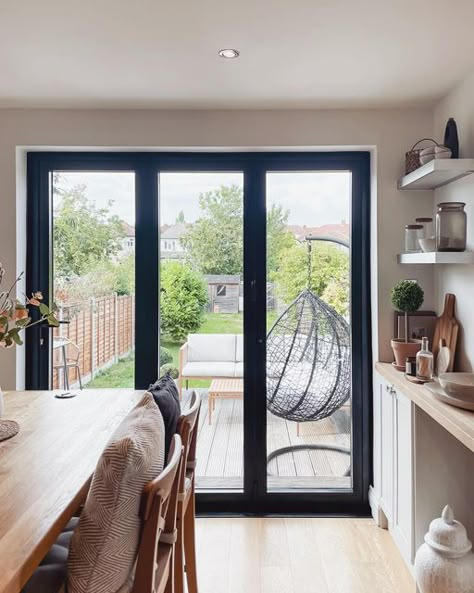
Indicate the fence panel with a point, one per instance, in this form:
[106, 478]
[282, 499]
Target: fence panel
[103, 330]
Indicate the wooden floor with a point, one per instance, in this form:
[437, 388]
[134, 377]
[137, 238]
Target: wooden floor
[275, 555]
[220, 449]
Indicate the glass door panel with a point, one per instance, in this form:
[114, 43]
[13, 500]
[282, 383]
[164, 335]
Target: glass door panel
[93, 276]
[201, 312]
[309, 376]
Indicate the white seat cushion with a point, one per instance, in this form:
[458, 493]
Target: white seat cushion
[209, 369]
[239, 348]
[211, 348]
[239, 370]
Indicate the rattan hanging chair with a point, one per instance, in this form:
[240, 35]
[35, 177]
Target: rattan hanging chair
[308, 362]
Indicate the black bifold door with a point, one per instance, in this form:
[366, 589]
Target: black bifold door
[246, 277]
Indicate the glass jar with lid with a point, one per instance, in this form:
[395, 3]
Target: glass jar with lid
[413, 232]
[427, 223]
[451, 226]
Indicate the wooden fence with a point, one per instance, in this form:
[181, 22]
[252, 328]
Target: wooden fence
[103, 330]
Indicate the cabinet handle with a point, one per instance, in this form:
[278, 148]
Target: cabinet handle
[393, 391]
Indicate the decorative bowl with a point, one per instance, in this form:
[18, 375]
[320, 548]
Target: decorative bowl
[427, 245]
[458, 384]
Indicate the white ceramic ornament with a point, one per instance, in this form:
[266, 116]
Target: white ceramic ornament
[445, 562]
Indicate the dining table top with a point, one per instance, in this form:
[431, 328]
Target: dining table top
[45, 470]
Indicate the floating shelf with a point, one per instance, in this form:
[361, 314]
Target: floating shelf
[437, 257]
[436, 173]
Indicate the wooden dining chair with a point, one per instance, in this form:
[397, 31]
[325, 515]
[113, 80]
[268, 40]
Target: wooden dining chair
[155, 561]
[185, 553]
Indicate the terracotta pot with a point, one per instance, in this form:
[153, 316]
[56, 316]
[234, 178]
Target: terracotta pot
[402, 350]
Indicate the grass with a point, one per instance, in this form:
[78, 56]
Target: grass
[121, 373]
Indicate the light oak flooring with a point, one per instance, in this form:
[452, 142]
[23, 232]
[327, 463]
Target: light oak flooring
[277, 555]
[220, 449]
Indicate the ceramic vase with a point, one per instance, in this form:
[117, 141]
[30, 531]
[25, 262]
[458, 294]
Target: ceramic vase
[445, 562]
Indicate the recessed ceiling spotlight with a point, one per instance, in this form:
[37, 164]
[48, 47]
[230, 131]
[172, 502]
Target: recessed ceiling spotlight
[229, 53]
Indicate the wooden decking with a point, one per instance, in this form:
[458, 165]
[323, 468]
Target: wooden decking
[220, 449]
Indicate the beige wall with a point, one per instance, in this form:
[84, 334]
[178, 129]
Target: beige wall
[459, 279]
[387, 132]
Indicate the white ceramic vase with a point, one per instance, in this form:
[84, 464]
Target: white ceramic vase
[445, 562]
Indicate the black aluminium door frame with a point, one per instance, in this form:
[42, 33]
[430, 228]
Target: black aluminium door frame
[254, 165]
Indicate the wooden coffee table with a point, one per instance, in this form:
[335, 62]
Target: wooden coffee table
[225, 388]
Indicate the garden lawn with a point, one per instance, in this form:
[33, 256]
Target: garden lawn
[121, 374]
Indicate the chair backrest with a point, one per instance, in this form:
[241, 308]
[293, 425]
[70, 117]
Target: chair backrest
[158, 513]
[211, 347]
[187, 429]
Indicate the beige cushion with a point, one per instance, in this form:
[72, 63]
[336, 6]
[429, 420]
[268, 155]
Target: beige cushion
[105, 542]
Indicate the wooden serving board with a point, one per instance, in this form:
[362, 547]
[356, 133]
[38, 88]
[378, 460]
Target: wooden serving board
[446, 330]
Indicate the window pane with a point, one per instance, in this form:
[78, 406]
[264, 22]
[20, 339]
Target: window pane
[309, 419]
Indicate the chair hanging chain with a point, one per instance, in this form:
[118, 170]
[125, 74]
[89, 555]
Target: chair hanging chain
[309, 263]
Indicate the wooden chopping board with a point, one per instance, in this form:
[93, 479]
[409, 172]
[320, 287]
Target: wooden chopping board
[446, 330]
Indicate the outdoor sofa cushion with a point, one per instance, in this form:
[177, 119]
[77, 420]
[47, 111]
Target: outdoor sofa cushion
[105, 542]
[209, 369]
[239, 370]
[211, 348]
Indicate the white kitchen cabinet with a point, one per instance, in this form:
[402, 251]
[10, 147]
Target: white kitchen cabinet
[391, 496]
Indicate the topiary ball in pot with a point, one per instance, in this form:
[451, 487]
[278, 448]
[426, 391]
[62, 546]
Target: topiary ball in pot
[407, 296]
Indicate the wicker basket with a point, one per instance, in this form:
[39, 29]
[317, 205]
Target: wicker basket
[412, 157]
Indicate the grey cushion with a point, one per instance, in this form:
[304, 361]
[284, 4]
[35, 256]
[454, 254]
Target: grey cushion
[165, 394]
[47, 579]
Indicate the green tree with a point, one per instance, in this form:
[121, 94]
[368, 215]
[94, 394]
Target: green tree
[180, 217]
[182, 300]
[83, 235]
[278, 238]
[214, 243]
[329, 276]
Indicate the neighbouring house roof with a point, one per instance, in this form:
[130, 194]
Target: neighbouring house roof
[174, 231]
[222, 279]
[338, 231]
[128, 229]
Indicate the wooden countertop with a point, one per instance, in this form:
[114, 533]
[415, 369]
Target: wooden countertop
[460, 423]
[45, 469]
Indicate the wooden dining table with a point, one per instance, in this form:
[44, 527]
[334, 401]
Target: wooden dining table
[45, 470]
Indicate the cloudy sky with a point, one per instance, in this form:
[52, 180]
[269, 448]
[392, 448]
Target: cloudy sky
[312, 198]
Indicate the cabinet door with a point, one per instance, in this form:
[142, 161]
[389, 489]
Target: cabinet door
[377, 436]
[386, 437]
[403, 477]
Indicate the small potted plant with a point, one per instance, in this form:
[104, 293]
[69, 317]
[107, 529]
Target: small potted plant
[407, 297]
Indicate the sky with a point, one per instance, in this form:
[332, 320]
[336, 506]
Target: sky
[312, 198]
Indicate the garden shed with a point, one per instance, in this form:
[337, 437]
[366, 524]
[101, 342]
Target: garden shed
[223, 292]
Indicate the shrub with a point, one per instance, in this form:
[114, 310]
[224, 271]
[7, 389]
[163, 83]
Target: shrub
[171, 369]
[165, 356]
[407, 296]
[183, 297]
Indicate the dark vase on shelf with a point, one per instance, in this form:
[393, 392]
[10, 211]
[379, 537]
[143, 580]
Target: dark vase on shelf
[451, 138]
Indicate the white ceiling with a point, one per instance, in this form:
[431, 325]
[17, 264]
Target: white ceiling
[294, 54]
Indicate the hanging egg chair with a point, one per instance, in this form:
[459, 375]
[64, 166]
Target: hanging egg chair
[308, 362]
